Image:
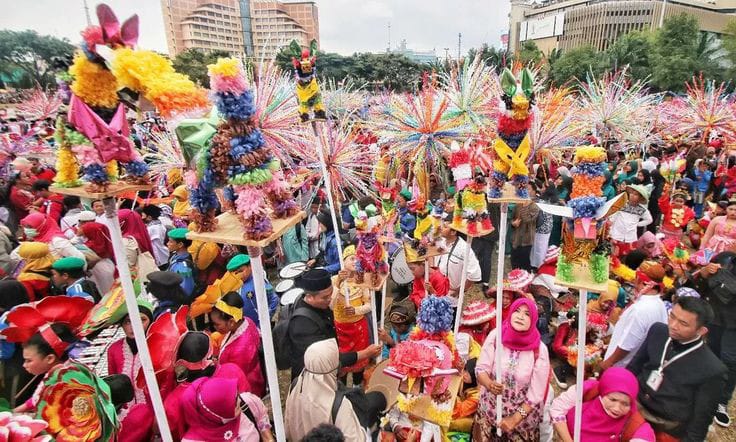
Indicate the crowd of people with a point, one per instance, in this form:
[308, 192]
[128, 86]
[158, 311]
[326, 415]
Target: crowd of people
[660, 363]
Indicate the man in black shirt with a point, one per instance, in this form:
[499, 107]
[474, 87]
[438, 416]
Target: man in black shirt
[319, 324]
[680, 379]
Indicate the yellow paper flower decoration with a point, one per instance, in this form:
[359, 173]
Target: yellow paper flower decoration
[94, 84]
[590, 154]
[227, 67]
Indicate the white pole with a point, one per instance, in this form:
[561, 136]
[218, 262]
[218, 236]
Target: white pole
[463, 279]
[661, 14]
[383, 313]
[374, 315]
[499, 306]
[111, 212]
[264, 318]
[582, 321]
[333, 203]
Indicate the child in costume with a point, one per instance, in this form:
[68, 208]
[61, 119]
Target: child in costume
[407, 220]
[166, 288]
[351, 323]
[437, 284]
[401, 317]
[70, 273]
[675, 214]
[181, 261]
[625, 222]
[478, 319]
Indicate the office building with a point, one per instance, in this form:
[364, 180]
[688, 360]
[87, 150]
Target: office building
[567, 24]
[242, 27]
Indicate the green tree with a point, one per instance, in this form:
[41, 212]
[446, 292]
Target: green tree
[632, 49]
[35, 55]
[575, 64]
[529, 53]
[710, 58]
[728, 42]
[193, 63]
[675, 53]
[490, 56]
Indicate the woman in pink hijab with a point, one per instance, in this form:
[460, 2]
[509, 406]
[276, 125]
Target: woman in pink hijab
[650, 245]
[609, 410]
[213, 409]
[524, 380]
[42, 228]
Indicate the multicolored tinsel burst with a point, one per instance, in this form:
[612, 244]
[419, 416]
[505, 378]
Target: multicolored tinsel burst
[161, 152]
[349, 163]
[706, 108]
[472, 89]
[344, 97]
[276, 111]
[40, 106]
[419, 129]
[618, 110]
[555, 122]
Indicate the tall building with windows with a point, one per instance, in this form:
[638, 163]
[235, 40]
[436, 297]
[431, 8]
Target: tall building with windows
[242, 27]
[567, 24]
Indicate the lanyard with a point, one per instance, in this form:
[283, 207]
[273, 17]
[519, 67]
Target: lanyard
[449, 256]
[664, 364]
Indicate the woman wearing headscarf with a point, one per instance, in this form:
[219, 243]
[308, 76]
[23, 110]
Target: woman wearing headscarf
[524, 379]
[563, 184]
[650, 245]
[41, 228]
[609, 410]
[35, 274]
[312, 396]
[97, 239]
[122, 355]
[627, 175]
[135, 235]
[328, 256]
[181, 207]
[609, 190]
[217, 412]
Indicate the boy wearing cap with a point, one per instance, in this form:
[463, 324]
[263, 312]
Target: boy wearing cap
[625, 222]
[407, 221]
[69, 272]
[181, 261]
[401, 316]
[239, 265]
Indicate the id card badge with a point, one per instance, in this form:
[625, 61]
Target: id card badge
[655, 380]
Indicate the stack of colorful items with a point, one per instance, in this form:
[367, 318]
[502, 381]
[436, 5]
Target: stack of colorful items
[471, 205]
[105, 66]
[239, 160]
[584, 235]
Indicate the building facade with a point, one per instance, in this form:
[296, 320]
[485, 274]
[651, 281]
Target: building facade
[568, 24]
[257, 28]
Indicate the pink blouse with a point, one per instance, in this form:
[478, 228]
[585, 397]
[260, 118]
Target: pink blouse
[529, 370]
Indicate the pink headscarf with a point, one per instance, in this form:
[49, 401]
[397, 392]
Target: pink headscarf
[132, 226]
[649, 238]
[46, 227]
[597, 425]
[521, 341]
[209, 404]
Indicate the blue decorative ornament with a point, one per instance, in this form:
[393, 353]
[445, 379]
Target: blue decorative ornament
[236, 107]
[96, 173]
[585, 206]
[591, 169]
[203, 198]
[435, 315]
[136, 168]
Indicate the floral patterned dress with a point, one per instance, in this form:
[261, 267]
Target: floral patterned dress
[525, 377]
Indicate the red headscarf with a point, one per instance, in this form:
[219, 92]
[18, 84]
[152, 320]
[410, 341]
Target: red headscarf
[98, 239]
[132, 226]
[46, 227]
[526, 340]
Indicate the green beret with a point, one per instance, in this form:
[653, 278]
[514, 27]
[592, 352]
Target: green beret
[179, 234]
[406, 194]
[67, 264]
[237, 262]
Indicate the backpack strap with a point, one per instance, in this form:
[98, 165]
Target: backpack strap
[310, 314]
[633, 423]
[336, 403]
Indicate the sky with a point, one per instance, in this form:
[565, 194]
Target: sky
[346, 26]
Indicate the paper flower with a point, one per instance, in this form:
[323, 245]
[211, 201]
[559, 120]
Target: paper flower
[21, 428]
[94, 84]
[435, 315]
[77, 405]
[413, 359]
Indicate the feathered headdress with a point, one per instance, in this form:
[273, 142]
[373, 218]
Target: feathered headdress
[163, 338]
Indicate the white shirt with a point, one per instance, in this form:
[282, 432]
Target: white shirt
[632, 328]
[157, 232]
[451, 265]
[625, 222]
[102, 219]
[69, 223]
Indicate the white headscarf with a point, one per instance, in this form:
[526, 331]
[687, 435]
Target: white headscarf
[310, 400]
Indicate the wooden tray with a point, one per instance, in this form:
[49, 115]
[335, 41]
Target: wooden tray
[230, 231]
[583, 280]
[112, 190]
[508, 195]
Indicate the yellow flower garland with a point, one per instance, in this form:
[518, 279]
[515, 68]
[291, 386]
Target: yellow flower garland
[94, 84]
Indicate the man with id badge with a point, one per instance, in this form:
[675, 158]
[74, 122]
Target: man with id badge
[680, 379]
